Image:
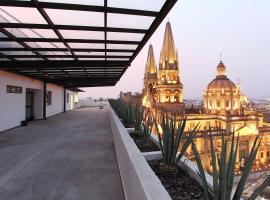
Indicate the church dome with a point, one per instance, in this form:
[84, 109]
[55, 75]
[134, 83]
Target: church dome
[221, 93]
[221, 82]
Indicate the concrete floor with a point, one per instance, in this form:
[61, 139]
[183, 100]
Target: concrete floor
[70, 156]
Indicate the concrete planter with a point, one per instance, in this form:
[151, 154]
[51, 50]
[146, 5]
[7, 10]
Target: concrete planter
[190, 167]
[184, 163]
[138, 179]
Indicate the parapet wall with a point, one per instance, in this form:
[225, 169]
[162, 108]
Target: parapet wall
[138, 180]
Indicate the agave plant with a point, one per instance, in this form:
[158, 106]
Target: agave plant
[127, 111]
[138, 118]
[224, 169]
[169, 139]
[147, 127]
[124, 110]
[116, 105]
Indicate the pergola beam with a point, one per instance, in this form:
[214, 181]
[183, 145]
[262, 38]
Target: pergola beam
[73, 49]
[65, 40]
[66, 56]
[106, 84]
[12, 37]
[51, 24]
[74, 70]
[72, 27]
[6, 56]
[89, 69]
[60, 63]
[78, 7]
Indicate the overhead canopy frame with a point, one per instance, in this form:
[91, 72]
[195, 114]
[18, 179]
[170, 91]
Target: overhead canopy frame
[99, 56]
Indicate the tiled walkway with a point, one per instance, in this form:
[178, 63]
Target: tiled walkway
[70, 156]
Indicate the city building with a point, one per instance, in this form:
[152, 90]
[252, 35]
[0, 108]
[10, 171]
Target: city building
[135, 98]
[225, 107]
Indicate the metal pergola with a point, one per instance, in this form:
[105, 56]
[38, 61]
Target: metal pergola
[99, 56]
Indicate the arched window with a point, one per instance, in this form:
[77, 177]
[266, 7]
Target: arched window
[227, 104]
[210, 103]
[218, 103]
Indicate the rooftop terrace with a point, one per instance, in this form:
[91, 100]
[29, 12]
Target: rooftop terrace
[68, 156]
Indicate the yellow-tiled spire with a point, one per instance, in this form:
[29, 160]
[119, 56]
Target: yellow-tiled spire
[168, 55]
[150, 64]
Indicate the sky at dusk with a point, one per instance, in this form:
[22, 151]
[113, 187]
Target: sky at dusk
[237, 29]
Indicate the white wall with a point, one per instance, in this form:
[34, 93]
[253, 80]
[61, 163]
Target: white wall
[12, 106]
[72, 97]
[57, 105]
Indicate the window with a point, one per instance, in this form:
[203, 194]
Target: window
[49, 98]
[268, 154]
[218, 104]
[227, 103]
[67, 97]
[261, 154]
[14, 89]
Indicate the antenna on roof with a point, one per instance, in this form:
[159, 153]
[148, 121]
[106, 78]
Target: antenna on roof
[220, 57]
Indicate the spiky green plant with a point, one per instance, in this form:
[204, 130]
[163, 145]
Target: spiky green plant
[124, 110]
[127, 110]
[169, 139]
[116, 106]
[138, 118]
[147, 127]
[224, 169]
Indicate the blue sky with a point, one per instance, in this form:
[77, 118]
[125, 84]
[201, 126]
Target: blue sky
[237, 29]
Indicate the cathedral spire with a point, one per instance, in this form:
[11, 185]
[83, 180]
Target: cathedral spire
[150, 64]
[168, 56]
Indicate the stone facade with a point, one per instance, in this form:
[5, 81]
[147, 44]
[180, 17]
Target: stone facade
[128, 97]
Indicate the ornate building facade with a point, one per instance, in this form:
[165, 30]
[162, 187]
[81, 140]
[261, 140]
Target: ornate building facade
[224, 106]
[163, 88]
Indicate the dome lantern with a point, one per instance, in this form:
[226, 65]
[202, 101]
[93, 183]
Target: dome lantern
[221, 69]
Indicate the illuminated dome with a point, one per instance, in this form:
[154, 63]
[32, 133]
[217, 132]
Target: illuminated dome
[221, 82]
[221, 93]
